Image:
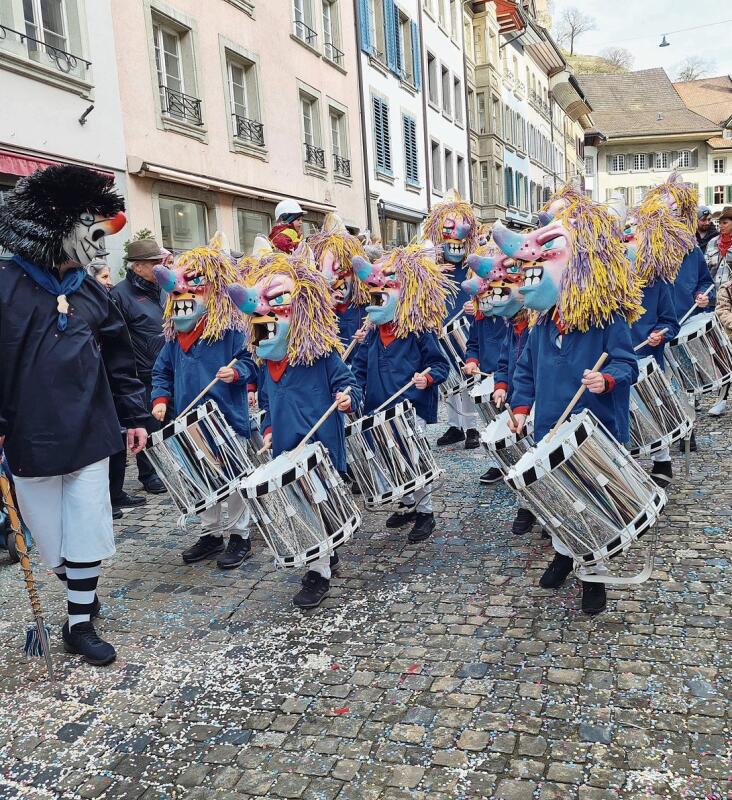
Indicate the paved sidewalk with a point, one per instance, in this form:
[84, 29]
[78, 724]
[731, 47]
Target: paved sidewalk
[434, 671]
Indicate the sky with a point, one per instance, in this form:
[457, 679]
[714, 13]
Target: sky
[639, 26]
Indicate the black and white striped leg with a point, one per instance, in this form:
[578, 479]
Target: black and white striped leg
[81, 587]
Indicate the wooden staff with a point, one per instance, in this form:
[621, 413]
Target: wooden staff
[400, 392]
[573, 402]
[317, 425]
[695, 306]
[208, 388]
[647, 341]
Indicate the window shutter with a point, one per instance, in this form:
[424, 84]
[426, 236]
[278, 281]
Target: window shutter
[694, 158]
[609, 165]
[382, 142]
[651, 163]
[708, 195]
[367, 40]
[416, 56]
[728, 194]
[410, 151]
[390, 34]
[398, 43]
[674, 159]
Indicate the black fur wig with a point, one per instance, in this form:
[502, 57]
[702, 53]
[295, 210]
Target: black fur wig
[45, 207]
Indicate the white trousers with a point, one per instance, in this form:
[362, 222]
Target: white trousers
[664, 454]
[559, 547]
[421, 497]
[69, 516]
[461, 411]
[321, 566]
[238, 510]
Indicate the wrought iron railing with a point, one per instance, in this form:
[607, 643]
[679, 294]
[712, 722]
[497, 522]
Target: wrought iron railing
[332, 53]
[306, 33]
[341, 166]
[314, 155]
[65, 62]
[182, 106]
[248, 129]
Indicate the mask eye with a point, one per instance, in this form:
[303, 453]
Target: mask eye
[280, 300]
[87, 219]
[198, 280]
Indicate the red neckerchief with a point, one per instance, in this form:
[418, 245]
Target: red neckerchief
[187, 340]
[520, 326]
[387, 333]
[558, 323]
[725, 242]
[479, 315]
[341, 308]
[277, 369]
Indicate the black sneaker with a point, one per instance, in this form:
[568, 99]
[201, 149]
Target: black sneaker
[117, 513]
[402, 516]
[237, 552]
[556, 572]
[205, 547]
[452, 435]
[315, 588]
[82, 639]
[662, 473]
[594, 598]
[545, 534]
[423, 527]
[492, 476]
[692, 444]
[523, 522]
[154, 485]
[129, 500]
[334, 562]
[472, 439]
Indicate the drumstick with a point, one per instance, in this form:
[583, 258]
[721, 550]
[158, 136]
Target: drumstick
[695, 306]
[317, 425]
[213, 383]
[573, 402]
[354, 340]
[511, 415]
[400, 392]
[647, 341]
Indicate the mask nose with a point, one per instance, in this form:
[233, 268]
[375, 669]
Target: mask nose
[165, 278]
[471, 286]
[362, 268]
[481, 265]
[245, 299]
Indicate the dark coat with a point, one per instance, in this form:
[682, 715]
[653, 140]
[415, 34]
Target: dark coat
[63, 395]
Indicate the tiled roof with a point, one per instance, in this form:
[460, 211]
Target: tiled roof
[710, 97]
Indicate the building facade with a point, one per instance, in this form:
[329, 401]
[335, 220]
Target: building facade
[230, 108]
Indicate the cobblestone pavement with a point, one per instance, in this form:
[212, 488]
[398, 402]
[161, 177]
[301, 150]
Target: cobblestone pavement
[435, 671]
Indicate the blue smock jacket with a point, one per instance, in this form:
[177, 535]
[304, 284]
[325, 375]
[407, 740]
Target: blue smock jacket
[485, 338]
[693, 277]
[547, 376]
[180, 376]
[349, 321]
[511, 349]
[658, 302]
[455, 304]
[301, 396]
[383, 369]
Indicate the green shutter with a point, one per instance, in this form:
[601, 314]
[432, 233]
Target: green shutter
[708, 195]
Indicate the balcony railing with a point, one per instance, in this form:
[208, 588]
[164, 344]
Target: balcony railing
[519, 87]
[536, 100]
[306, 33]
[248, 130]
[508, 76]
[332, 53]
[182, 106]
[314, 155]
[64, 61]
[341, 166]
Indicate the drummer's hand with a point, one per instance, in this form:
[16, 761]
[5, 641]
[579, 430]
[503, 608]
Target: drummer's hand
[655, 338]
[159, 411]
[701, 300]
[360, 334]
[469, 308]
[420, 381]
[471, 368]
[518, 426]
[594, 381]
[227, 375]
[252, 399]
[137, 439]
[343, 400]
[499, 397]
[267, 441]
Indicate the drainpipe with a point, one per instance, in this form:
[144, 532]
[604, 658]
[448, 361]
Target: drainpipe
[425, 90]
[551, 128]
[469, 161]
[362, 114]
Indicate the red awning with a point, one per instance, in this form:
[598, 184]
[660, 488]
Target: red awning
[21, 165]
[509, 17]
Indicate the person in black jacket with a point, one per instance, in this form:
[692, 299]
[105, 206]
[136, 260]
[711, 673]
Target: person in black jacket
[137, 296]
[706, 230]
[68, 380]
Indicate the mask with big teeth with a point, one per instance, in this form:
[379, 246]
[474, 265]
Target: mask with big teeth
[340, 279]
[269, 304]
[497, 287]
[383, 288]
[189, 293]
[452, 225]
[455, 231]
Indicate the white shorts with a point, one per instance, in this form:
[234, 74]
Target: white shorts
[69, 516]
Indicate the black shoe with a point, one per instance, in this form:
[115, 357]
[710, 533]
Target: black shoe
[452, 435]
[117, 513]
[472, 439]
[662, 473]
[334, 562]
[594, 598]
[556, 572]
[692, 444]
[492, 476]
[545, 534]
[401, 516]
[423, 527]
[96, 607]
[237, 552]
[315, 588]
[205, 547]
[154, 485]
[523, 523]
[129, 500]
[82, 639]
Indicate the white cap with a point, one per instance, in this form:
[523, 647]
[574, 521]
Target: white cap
[287, 206]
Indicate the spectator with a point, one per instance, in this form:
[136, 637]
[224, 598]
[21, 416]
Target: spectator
[138, 298]
[705, 228]
[99, 270]
[719, 249]
[287, 232]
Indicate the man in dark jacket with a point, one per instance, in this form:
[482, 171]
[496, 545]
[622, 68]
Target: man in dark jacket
[138, 298]
[67, 382]
[705, 228]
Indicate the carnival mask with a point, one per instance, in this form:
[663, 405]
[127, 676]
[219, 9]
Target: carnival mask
[499, 283]
[339, 277]
[455, 231]
[268, 303]
[383, 288]
[189, 290]
[86, 240]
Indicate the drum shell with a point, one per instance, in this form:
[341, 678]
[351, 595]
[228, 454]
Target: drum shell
[506, 448]
[482, 397]
[453, 342]
[701, 355]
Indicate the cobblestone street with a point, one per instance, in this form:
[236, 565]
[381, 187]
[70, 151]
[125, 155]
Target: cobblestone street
[433, 671]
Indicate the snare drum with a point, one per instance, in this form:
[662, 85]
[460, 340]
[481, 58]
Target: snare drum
[701, 355]
[389, 455]
[301, 505]
[507, 448]
[658, 418]
[454, 343]
[588, 491]
[199, 458]
[481, 396]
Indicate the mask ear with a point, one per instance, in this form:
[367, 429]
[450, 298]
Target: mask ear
[219, 241]
[333, 224]
[262, 247]
[428, 248]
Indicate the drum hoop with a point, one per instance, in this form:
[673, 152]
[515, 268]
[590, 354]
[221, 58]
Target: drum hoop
[453, 325]
[376, 501]
[286, 477]
[649, 448]
[341, 536]
[698, 331]
[370, 421]
[469, 382]
[181, 423]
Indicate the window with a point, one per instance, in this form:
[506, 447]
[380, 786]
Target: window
[183, 223]
[481, 113]
[493, 45]
[331, 32]
[495, 115]
[310, 115]
[719, 166]
[244, 102]
[377, 26]
[441, 12]
[589, 165]
[446, 105]
[399, 233]
[639, 162]
[485, 184]
[432, 79]
[411, 155]
[458, 100]
[478, 46]
[471, 109]
[661, 161]
[251, 224]
[718, 195]
[304, 23]
[436, 167]
[339, 143]
[498, 185]
[453, 19]
[45, 20]
[509, 190]
[617, 163]
[449, 173]
[461, 176]
[727, 133]
[176, 89]
[684, 160]
[382, 138]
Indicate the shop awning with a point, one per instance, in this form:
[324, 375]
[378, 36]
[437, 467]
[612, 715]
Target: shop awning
[22, 165]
